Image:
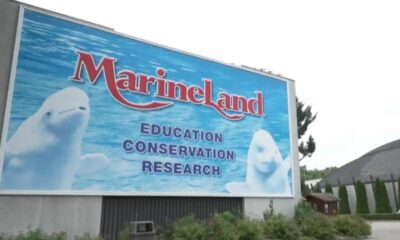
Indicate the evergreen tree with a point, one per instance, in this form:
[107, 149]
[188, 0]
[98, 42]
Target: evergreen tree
[328, 188]
[305, 117]
[344, 207]
[381, 198]
[362, 201]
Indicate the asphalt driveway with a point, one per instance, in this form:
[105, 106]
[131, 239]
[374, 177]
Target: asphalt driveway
[385, 230]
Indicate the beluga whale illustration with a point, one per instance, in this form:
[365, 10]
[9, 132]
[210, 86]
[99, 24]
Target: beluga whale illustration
[45, 151]
[267, 172]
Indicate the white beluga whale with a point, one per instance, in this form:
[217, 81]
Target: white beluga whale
[45, 151]
[267, 171]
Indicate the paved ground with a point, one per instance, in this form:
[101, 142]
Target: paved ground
[386, 230]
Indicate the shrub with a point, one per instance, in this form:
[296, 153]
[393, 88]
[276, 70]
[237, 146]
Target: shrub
[188, 228]
[351, 226]
[221, 227]
[328, 188]
[124, 233]
[307, 238]
[318, 226]
[302, 211]
[270, 211]
[280, 227]
[165, 232]
[87, 236]
[344, 200]
[39, 234]
[248, 230]
[361, 195]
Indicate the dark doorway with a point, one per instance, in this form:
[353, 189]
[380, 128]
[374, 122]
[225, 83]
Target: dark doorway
[118, 211]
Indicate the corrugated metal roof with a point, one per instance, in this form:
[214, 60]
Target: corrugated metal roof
[380, 162]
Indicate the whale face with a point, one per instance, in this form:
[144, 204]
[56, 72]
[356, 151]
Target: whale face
[264, 153]
[266, 172]
[66, 112]
[44, 151]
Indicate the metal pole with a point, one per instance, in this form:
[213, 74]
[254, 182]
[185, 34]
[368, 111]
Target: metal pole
[373, 186]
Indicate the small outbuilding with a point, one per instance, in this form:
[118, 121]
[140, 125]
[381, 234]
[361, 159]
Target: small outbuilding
[325, 203]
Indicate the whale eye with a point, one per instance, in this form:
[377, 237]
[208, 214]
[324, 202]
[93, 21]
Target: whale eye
[260, 149]
[48, 113]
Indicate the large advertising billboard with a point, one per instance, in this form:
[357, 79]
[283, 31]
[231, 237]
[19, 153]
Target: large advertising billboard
[90, 111]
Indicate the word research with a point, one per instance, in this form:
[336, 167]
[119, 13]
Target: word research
[231, 106]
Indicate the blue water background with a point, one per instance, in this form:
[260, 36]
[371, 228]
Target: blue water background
[47, 59]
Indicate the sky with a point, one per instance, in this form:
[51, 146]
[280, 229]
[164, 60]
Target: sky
[343, 55]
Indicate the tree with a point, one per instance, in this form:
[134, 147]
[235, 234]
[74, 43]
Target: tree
[362, 201]
[305, 117]
[328, 188]
[315, 173]
[344, 207]
[381, 198]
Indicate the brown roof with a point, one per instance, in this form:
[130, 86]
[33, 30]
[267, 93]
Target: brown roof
[327, 197]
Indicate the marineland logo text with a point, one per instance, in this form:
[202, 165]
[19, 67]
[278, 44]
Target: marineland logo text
[230, 106]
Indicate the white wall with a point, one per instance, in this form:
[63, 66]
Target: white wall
[370, 197]
[75, 215]
[391, 194]
[351, 192]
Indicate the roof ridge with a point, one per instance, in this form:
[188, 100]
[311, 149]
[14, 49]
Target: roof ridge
[386, 146]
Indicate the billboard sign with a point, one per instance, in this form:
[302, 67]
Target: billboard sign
[90, 111]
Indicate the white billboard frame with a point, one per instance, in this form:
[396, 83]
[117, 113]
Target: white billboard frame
[291, 115]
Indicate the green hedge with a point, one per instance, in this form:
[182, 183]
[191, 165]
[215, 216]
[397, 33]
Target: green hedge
[381, 216]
